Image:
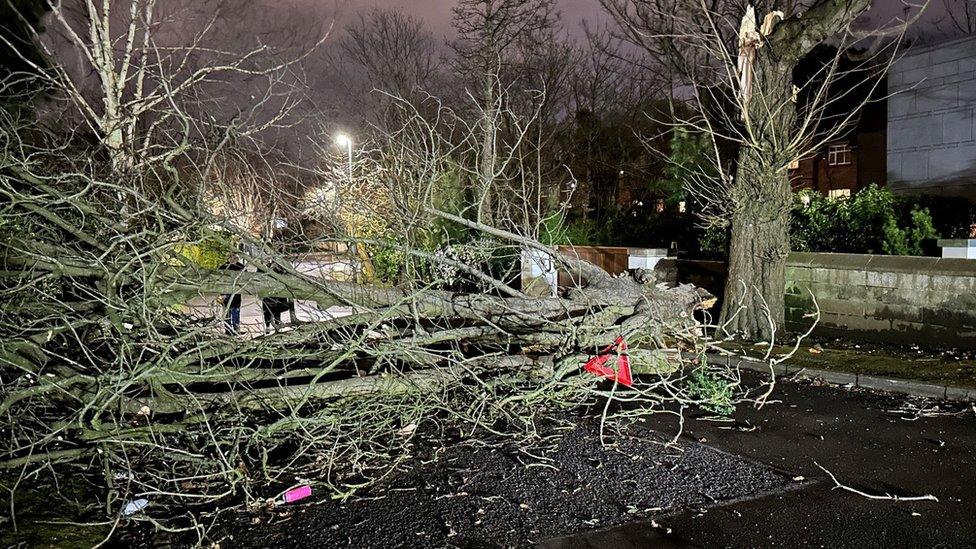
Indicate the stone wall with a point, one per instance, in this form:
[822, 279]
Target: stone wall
[923, 300]
[931, 146]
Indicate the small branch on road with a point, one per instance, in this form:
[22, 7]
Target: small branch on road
[926, 497]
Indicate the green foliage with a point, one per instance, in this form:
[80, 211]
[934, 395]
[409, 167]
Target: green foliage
[450, 194]
[714, 240]
[714, 392]
[872, 221]
[579, 232]
[210, 250]
[644, 222]
[691, 155]
[387, 264]
[922, 228]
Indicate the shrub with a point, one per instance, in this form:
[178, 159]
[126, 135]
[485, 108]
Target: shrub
[871, 221]
[578, 232]
[714, 392]
[714, 240]
[209, 251]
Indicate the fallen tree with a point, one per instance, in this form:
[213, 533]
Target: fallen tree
[101, 368]
[106, 380]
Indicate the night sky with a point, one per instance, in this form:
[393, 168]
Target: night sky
[437, 13]
[330, 91]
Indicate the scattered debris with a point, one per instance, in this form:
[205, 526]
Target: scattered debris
[407, 430]
[912, 410]
[123, 475]
[926, 497]
[134, 507]
[296, 494]
[656, 524]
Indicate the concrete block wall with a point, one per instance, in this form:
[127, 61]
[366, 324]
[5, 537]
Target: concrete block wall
[897, 299]
[931, 144]
[924, 300]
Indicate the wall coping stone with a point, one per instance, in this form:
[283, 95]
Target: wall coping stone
[889, 263]
[648, 252]
[957, 242]
[867, 262]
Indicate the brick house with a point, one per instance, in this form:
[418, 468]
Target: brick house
[853, 160]
[844, 166]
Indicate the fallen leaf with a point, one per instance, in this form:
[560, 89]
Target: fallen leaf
[407, 429]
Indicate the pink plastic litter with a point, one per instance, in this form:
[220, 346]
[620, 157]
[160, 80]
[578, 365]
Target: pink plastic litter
[299, 493]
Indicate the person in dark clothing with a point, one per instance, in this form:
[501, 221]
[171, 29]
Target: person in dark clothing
[232, 302]
[272, 307]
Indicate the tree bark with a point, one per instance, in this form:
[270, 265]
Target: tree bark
[761, 193]
[754, 290]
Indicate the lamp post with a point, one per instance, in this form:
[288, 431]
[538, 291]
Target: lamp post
[344, 140]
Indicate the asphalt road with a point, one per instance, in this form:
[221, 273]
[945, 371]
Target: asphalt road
[858, 437]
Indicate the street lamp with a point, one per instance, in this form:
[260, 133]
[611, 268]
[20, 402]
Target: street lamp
[344, 140]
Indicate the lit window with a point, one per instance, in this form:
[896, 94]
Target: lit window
[794, 164]
[838, 154]
[839, 193]
[682, 207]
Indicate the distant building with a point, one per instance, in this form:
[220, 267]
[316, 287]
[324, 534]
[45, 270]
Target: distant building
[919, 141]
[846, 165]
[930, 146]
[855, 158]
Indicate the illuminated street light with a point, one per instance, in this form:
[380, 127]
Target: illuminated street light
[344, 140]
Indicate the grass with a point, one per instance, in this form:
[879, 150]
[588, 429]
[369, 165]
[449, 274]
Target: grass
[951, 367]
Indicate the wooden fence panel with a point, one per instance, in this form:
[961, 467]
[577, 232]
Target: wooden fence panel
[614, 260]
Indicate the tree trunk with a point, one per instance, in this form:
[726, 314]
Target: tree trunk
[762, 196]
[757, 256]
[487, 162]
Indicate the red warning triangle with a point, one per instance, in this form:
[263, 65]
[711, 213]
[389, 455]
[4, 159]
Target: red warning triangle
[599, 366]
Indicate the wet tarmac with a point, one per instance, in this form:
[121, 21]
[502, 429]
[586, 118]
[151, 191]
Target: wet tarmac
[873, 443]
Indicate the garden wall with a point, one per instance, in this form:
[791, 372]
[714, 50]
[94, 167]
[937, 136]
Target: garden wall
[898, 299]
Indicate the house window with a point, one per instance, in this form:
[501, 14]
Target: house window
[839, 154]
[839, 193]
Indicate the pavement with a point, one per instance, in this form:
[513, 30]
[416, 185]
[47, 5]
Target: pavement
[872, 442]
[846, 374]
[252, 319]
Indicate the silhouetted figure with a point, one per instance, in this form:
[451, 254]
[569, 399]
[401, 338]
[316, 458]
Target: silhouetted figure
[271, 309]
[232, 302]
